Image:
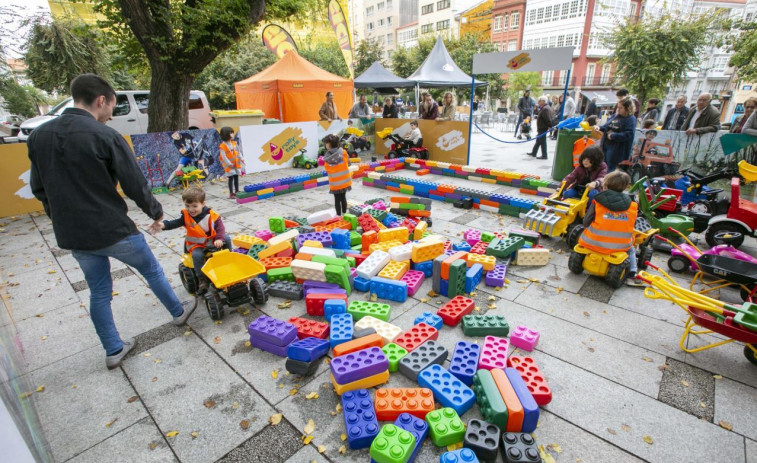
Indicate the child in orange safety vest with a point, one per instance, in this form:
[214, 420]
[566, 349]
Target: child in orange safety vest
[205, 229]
[231, 160]
[337, 166]
[610, 219]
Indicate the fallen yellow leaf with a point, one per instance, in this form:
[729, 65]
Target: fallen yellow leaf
[306, 439]
[293, 391]
[625, 427]
[648, 440]
[209, 403]
[717, 376]
[725, 425]
[147, 354]
[374, 297]
[217, 340]
[646, 359]
[115, 293]
[235, 405]
[685, 383]
[275, 419]
[110, 423]
[554, 448]
[194, 434]
[321, 448]
[343, 437]
[218, 322]
[611, 431]
[343, 450]
[172, 433]
[51, 271]
[247, 344]
[425, 299]
[41, 389]
[43, 338]
[310, 427]
[312, 395]
[275, 374]
[244, 424]
[187, 333]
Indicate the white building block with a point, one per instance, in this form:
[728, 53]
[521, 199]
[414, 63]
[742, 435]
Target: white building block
[320, 216]
[400, 253]
[373, 264]
[537, 256]
[387, 331]
[317, 251]
[307, 270]
[288, 235]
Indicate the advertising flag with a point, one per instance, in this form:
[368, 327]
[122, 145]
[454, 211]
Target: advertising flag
[278, 40]
[339, 23]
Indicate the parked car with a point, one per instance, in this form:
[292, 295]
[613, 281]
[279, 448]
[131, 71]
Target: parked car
[129, 114]
[11, 124]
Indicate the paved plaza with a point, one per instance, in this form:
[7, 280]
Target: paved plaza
[623, 390]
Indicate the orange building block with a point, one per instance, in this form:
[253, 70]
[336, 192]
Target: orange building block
[514, 408]
[444, 188]
[276, 262]
[358, 344]
[487, 261]
[367, 239]
[395, 270]
[290, 224]
[275, 249]
[426, 250]
[391, 402]
[399, 199]
[303, 256]
[422, 172]
[448, 261]
[417, 213]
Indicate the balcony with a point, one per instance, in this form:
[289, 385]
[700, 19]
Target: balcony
[603, 81]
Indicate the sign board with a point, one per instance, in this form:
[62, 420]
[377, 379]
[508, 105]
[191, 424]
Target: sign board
[447, 141]
[507, 62]
[272, 146]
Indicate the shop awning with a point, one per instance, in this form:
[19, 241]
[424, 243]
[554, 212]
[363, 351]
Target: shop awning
[604, 97]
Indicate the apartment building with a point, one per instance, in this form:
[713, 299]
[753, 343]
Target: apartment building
[507, 24]
[442, 17]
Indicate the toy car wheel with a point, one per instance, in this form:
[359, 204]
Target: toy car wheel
[750, 354]
[574, 232]
[188, 278]
[367, 145]
[700, 207]
[576, 262]
[644, 256]
[719, 227]
[617, 274]
[308, 166]
[678, 264]
[214, 304]
[391, 155]
[636, 173]
[258, 291]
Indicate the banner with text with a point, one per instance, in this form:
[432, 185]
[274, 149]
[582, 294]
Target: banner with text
[271, 147]
[446, 141]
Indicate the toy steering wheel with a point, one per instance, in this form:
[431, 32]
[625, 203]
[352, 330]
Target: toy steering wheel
[727, 237]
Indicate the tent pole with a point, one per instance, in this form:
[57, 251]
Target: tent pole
[278, 98]
[564, 94]
[470, 116]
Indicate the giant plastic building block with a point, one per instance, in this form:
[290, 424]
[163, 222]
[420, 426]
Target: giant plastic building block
[464, 362]
[448, 390]
[496, 276]
[473, 277]
[530, 407]
[456, 279]
[445, 427]
[485, 325]
[308, 349]
[310, 328]
[373, 264]
[394, 270]
[391, 402]
[285, 289]
[384, 246]
[459, 456]
[524, 338]
[276, 262]
[314, 302]
[392, 290]
[447, 263]
[394, 354]
[264, 235]
[359, 418]
[339, 275]
[479, 248]
[472, 236]
[427, 267]
[399, 234]
[482, 438]
[431, 319]
[488, 262]
[287, 236]
[358, 344]
[428, 250]
[275, 249]
[514, 407]
[245, 241]
[320, 216]
[358, 365]
[528, 235]
[361, 284]
[490, 401]
[519, 447]
[256, 248]
[367, 239]
[493, 353]
[368, 224]
[341, 329]
[414, 280]
[416, 336]
[363, 383]
[273, 331]
[280, 274]
[533, 378]
[360, 309]
[322, 237]
[415, 426]
[392, 445]
[454, 310]
[361, 332]
[274, 349]
[332, 307]
[428, 353]
[306, 270]
[401, 253]
[317, 251]
[538, 256]
[420, 229]
[340, 238]
[386, 330]
[298, 367]
[461, 246]
[504, 248]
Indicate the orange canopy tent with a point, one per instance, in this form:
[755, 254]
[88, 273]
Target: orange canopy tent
[293, 89]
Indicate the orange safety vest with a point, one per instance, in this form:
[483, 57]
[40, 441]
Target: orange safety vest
[196, 236]
[230, 158]
[340, 176]
[578, 148]
[611, 231]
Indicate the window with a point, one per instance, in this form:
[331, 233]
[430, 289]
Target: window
[547, 77]
[370, 26]
[389, 21]
[544, 42]
[143, 99]
[714, 86]
[369, 11]
[379, 6]
[442, 25]
[564, 13]
[390, 39]
[573, 8]
[605, 76]
[515, 20]
[426, 28]
[443, 4]
[590, 71]
[498, 23]
[504, 22]
[633, 9]
[380, 22]
[531, 17]
[426, 9]
[547, 14]
[512, 46]
[698, 87]
[540, 16]
[122, 107]
[561, 40]
[719, 63]
[552, 41]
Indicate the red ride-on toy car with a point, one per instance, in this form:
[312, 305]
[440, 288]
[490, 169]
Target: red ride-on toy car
[402, 148]
[742, 214]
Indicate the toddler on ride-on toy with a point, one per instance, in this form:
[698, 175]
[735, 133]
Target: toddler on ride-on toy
[589, 173]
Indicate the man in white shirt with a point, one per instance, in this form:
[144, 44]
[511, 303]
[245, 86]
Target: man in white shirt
[706, 119]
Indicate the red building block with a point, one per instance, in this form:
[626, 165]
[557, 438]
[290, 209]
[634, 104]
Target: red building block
[368, 224]
[310, 328]
[391, 402]
[452, 312]
[314, 302]
[447, 245]
[479, 248]
[533, 378]
[276, 262]
[416, 336]
[368, 237]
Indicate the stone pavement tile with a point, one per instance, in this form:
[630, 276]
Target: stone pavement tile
[253, 220]
[274, 444]
[308, 454]
[157, 336]
[509, 291]
[66, 331]
[141, 442]
[450, 229]
[633, 328]
[624, 417]
[488, 221]
[735, 404]
[688, 389]
[751, 451]
[596, 289]
[630, 299]
[576, 444]
[33, 257]
[176, 384]
[439, 212]
[84, 403]
[550, 274]
[38, 292]
[727, 360]
[465, 218]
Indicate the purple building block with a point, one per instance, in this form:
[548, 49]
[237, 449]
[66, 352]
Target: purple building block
[414, 280]
[264, 235]
[318, 284]
[272, 331]
[359, 418]
[496, 276]
[281, 351]
[358, 365]
[323, 236]
[464, 361]
[524, 338]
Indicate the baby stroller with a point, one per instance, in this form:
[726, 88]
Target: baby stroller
[525, 129]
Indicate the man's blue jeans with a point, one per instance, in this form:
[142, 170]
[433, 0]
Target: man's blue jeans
[134, 252]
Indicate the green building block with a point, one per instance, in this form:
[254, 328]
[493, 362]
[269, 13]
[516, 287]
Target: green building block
[407, 191]
[296, 187]
[255, 249]
[394, 353]
[489, 399]
[339, 275]
[281, 192]
[276, 224]
[360, 309]
[485, 325]
[529, 236]
[411, 206]
[392, 445]
[332, 261]
[357, 247]
[355, 238]
[504, 248]
[487, 237]
[376, 214]
[352, 220]
[351, 260]
[445, 426]
[280, 274]
[512, 211]
[245, 194]
[456, 284]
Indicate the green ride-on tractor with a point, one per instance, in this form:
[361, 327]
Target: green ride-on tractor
[648, 217]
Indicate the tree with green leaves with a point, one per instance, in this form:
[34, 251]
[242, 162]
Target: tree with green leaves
[744, 46]
[402, 65]
[326, 55]
[657, 51]
[517, 82]
[368, 52]
[23, 100]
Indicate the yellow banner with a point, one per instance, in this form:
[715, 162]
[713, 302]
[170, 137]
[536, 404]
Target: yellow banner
[342, 31]
[278, 40]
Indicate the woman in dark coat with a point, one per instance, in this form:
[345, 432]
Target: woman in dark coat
[618, 133]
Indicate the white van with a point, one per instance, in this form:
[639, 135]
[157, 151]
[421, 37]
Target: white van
[129, 114]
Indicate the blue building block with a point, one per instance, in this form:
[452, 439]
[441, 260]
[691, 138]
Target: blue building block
[461, 246]
[444, 287]
[341, 329]
[392, 290]
[473, 277]
[415, 426]
[359, 418]
[334, 306]
[530, 408]
[459, 456]
[308, 349]
[464, 361]
[427, 267]
[430, 319]
[448, 390]
[341, 238]
[361, 284]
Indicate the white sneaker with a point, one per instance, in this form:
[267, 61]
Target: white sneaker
[113, 361]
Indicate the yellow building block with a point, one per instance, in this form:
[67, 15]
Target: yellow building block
[538, 256]
[399, 233]
[427, 250]
[275, 249]
[364, 383]
[395, 270]
[265, 191]
[246, 241]
[431, 163]
[420, 229]
[385, 246]
[380, 225]
[487, 261]
[313, 244]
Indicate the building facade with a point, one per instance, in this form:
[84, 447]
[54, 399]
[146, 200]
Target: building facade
[507, 24]
[477, 19]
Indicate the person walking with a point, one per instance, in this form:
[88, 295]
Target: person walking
[526, 108]
[76, 164]
[543, 124]
[618, 133]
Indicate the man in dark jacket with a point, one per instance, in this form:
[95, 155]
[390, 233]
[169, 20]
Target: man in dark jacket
[704, 119]
[543, 124]
[525, 108]
[676, 115]
[390, 109]
[76, 163]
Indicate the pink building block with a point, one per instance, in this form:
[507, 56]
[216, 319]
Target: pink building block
[493, 354]
[353, 272]
[380, 205]
[524, 338]
[264, 235]
[472, 236]
[414, 280]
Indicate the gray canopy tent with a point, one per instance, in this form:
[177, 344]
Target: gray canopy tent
[438, 70]
[377, 76]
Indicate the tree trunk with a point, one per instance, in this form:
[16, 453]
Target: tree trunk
[169, 97]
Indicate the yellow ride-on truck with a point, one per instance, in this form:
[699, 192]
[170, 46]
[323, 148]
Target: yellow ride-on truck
[557, 218]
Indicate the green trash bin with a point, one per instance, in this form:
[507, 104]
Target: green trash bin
[270, 120]
[563, 162]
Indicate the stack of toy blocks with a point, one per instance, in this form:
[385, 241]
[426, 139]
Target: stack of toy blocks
[532, 376]
[449, 274]
[505, 400]
[304, 356]
[412, 207]
[272, 335]
[359, 418]
[359, 369]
